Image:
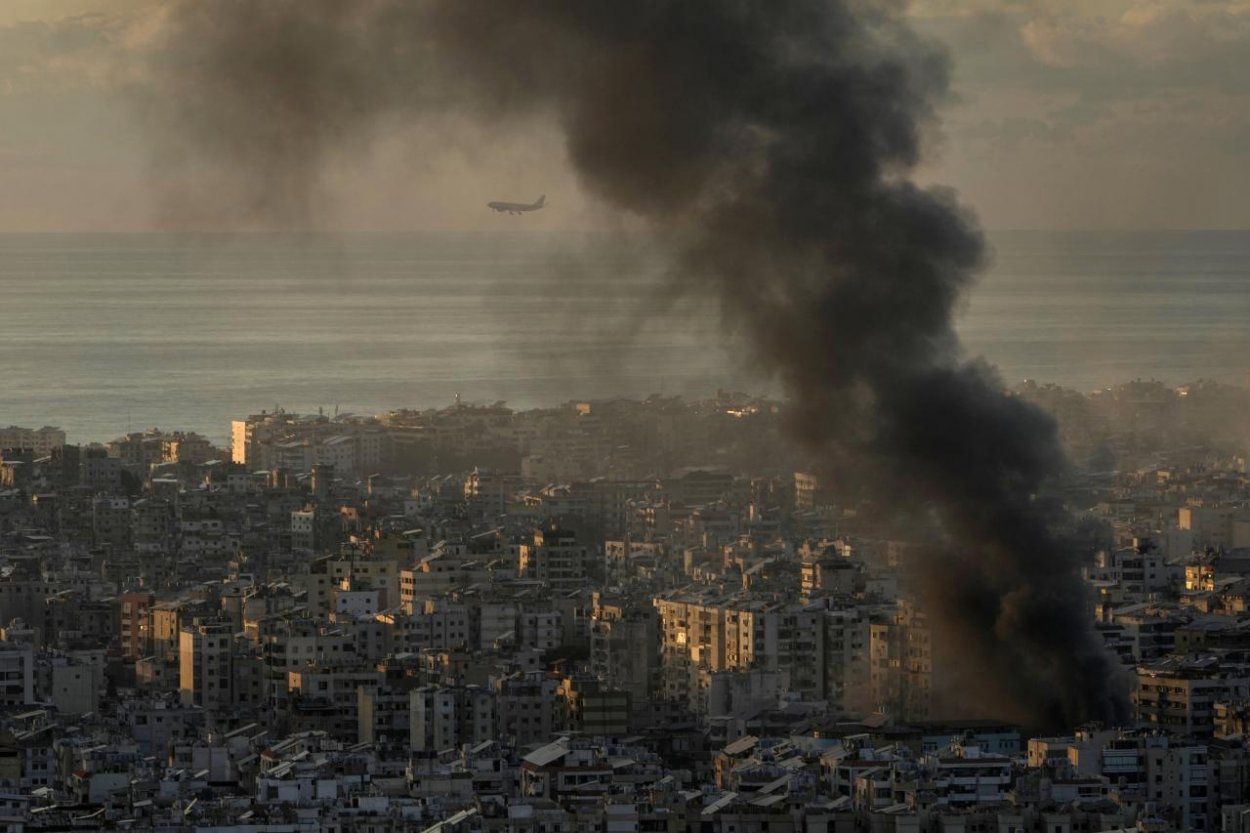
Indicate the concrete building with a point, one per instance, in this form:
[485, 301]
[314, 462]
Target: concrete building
[1179, 695]
[205, 666]
[556, 559]
[44, 442]
[17, 675]
[110, 522]
[136, 628]
[448, 718]
[625, 647]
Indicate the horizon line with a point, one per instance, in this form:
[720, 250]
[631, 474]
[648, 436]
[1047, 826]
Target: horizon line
[357, 231]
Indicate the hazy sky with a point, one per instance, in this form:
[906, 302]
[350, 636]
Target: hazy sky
[1068, 114]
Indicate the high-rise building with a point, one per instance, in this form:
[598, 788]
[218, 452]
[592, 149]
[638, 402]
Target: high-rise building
[205, 673]
[136, 633]
[556, 559]
[446, 718]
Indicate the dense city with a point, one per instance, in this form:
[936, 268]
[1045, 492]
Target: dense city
[605, 617]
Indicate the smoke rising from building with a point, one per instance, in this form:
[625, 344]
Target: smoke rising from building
[767, 146]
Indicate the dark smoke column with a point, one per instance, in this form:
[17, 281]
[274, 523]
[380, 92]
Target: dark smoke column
[768, 142]
[768, 145]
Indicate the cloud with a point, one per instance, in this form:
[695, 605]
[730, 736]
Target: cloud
[51, 11]
[90, 52]
[1172, 44]
[1125, 90]
[1108, 113]
[1013, 132]
[1142, 46]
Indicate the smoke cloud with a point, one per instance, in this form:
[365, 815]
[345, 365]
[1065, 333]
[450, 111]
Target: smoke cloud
[767, 147]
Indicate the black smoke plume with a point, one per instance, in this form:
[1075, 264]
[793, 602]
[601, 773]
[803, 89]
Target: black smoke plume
[767, 145]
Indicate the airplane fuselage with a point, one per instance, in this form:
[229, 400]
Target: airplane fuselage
[517, 207]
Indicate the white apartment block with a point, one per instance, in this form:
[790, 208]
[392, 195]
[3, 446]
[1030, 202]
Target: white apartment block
[43, 441]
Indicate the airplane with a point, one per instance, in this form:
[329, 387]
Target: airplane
[518, 207]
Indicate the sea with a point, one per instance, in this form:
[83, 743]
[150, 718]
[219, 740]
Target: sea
[101, 334]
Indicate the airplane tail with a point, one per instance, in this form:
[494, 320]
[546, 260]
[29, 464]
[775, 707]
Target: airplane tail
[538, 203]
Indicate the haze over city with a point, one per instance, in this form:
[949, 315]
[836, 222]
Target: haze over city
[687, 416]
